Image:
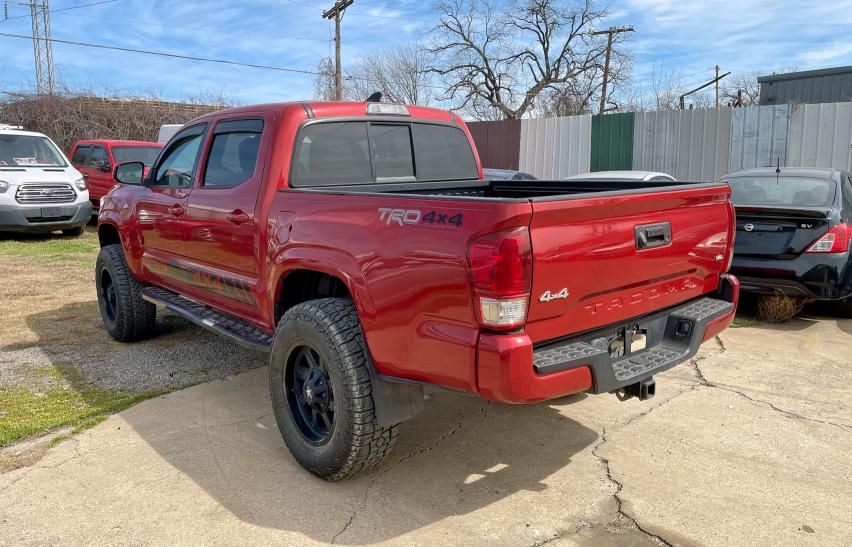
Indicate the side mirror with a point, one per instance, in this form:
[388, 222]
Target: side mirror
[104, 167]
[129, 172]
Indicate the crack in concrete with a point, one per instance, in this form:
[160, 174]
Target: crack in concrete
[787, 413]
[619, 510]
[720, 343]
[702, 380]
[480, 413]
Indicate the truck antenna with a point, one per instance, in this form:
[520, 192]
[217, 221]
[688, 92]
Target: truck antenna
[375, 97]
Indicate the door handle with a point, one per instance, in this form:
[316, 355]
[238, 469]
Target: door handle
[237, 217]
[177, 210]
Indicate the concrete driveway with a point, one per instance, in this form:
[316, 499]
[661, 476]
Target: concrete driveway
[750, 444]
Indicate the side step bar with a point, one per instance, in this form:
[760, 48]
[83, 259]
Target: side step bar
[224, 324]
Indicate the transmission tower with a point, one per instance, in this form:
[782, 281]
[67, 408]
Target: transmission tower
[42, 50]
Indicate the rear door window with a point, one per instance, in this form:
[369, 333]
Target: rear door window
[233, 154]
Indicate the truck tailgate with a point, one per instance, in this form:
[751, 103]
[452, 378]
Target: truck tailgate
[607, 258]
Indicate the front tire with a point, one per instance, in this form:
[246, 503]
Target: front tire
[127, 317]
[322, 393]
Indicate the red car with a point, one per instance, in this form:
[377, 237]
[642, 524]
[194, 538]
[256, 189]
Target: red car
[95, 159]
[360, 245]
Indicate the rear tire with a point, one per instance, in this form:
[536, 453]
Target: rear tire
[76, 231]
[127, 317]
[322, 392]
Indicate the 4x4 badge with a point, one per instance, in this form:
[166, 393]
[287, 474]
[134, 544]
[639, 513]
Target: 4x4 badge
[548, 296]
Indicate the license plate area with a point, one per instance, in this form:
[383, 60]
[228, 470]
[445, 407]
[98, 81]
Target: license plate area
[51, 212]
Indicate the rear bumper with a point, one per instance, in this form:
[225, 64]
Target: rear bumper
[511, 370]
[30, 219]
[815, 276]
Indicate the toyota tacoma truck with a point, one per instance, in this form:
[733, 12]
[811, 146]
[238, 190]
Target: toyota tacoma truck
[359, 244]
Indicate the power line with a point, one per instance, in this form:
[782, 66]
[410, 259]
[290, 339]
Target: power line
[62, 9]
[162, 54]
[336, 13]
[200, 29]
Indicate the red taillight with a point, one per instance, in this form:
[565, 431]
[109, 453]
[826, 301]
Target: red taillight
[501, 274]
[835, 240]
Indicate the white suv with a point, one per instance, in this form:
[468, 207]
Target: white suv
[39, 189]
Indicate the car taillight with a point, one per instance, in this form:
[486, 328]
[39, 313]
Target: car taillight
[501, 274]
[835, 240]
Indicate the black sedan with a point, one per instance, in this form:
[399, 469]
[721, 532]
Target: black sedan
[794, 232]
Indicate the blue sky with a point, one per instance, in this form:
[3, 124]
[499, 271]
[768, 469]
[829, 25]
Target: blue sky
[688, 37]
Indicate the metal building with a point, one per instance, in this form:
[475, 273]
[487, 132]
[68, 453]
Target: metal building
[828, 85]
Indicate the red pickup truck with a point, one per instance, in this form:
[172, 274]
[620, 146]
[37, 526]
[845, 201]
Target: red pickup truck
[359, 244]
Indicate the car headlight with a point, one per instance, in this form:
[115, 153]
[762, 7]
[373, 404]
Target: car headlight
[80, 184]
[3, 186]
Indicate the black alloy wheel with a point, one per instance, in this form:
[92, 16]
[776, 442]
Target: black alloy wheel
[309, 394]
[108, 298]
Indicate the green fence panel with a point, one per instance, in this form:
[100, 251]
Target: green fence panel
[612, 142]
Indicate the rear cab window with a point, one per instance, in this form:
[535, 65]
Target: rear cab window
[375, 152]
[145, 154]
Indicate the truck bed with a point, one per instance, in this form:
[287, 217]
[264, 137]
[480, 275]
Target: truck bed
[520, 190]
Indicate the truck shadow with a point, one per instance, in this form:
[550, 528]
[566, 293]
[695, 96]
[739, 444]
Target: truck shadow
[458, 456]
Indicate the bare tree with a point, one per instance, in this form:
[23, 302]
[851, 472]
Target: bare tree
[506, 55]
[741, 89]
[324, 88]
[400, 74]
[582, 94]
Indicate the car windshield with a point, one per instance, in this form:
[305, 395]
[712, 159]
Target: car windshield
[783, 190]
[145, 154]
[29, 151]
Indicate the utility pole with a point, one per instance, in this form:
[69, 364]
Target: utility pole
[610, 32]
[717, 86]
[42, 50]
[699, 88]
[336, 12]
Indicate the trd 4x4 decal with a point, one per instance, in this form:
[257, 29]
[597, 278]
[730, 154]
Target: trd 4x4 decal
[412, 217]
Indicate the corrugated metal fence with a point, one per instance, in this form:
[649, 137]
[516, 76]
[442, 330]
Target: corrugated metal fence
[498, 143]
[555, 148]
[821, 136]
[692, 145]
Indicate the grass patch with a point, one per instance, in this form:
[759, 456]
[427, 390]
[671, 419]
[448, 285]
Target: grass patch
[24, 413]
[744, 322]
[50, 247]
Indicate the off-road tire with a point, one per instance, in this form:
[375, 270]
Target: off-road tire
[76, 231]
[132, 317]
[330, 326]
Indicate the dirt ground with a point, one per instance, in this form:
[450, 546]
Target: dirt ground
[750, 444]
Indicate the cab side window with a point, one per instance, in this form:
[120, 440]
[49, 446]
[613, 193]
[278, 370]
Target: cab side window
[233, 154]
[177, 165]
[81, 154]
[98, 157]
